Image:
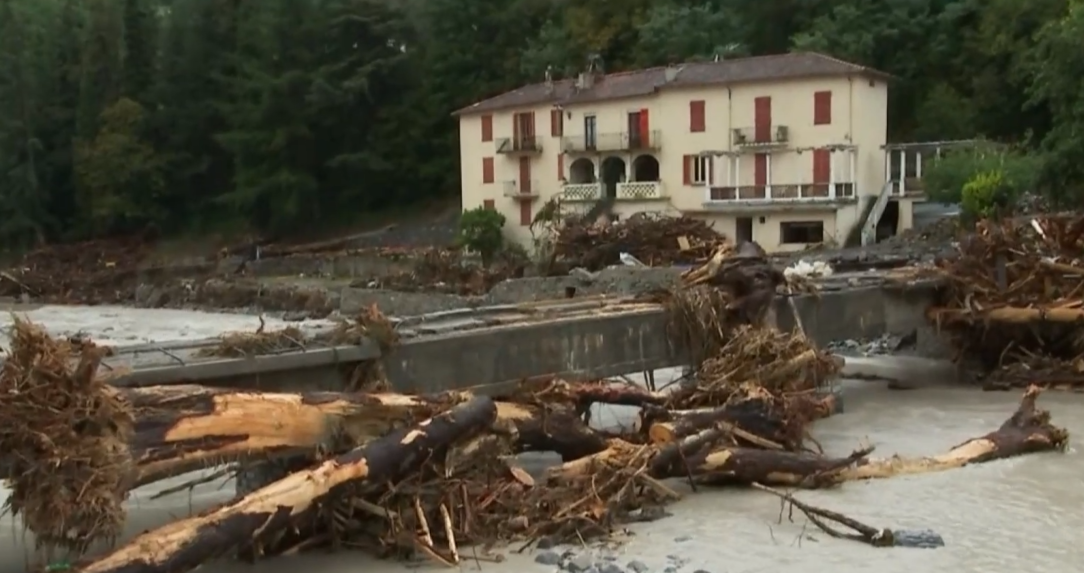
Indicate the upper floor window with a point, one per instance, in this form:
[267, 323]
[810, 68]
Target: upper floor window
[487, 128]
[697, 119]
[698, 170]
[822, 108]
[557, 123]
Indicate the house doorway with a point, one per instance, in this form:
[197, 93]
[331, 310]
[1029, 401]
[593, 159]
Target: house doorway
[613, 172]
[744, 230]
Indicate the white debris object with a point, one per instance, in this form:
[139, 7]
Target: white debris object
[631, 261]
[808, 269]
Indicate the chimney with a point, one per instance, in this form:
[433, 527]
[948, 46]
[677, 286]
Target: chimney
[672, 72]
[549, 80]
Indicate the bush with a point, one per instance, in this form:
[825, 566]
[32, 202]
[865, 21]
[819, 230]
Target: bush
[481, 230]
[987, 195]
[945, 178]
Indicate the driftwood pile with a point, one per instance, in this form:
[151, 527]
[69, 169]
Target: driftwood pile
[400, 474]
[1014, 302]
[654, 240]
[92, 272]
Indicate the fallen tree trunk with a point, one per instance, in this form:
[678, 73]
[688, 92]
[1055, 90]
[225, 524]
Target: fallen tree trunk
[769, 419]
[707, 459]
[186, 544]
[557, 430]
[1028, 431]
[183, 428]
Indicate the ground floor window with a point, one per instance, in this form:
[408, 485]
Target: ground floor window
[792, 232]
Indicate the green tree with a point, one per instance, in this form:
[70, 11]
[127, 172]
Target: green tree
[120, 177]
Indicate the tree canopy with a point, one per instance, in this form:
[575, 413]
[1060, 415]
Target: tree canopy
[281, 115]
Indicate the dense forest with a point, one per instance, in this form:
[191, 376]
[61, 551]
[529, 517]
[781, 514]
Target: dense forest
[193, 116]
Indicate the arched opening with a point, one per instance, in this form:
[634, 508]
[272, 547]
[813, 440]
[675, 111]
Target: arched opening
[645, 168]
[582, 170]
[613, 172]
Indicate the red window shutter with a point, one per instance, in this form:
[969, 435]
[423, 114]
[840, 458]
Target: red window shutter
[530, 125]
[696, 116]
[557, 123]
[489, 204]
[822, 108]
[487, 170]
[688, 164]
[822, 165]
[487, 128]
[560, 166]
[645, 128]
[525, 213]
[517, 129]
[763, 122]
[760, 171]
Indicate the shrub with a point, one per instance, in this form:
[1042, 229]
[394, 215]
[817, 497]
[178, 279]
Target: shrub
[946, 177]
[986, 195]
[481, 230]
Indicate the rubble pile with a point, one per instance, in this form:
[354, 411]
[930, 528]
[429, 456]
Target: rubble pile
[450, 271]
[403, 474]
[91, 272]
[653, 239]
[1014, 301]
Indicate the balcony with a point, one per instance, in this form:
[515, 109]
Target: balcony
[521, 189]
[803, 192]
[623, 141]
[581, 192]
[751, 137]
[640, 191]
[520, 145]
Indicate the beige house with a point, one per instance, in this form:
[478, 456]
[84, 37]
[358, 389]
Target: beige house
[786, 150]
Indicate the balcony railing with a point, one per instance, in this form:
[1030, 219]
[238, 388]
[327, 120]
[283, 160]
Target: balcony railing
[581, 192]
[909, 186]
[523, 144]
[623, 141]
[796, 192]
[640, 191]
[770, 136]
[521, 189]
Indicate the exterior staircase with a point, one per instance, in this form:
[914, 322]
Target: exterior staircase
[869, 228]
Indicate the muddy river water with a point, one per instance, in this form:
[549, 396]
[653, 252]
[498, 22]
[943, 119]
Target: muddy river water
[1017, 515]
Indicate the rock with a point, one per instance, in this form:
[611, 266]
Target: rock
[638, 566]
[609, 568]
[546, 543]
[547, 558]
[295, 316]
[578, 564]
[918, 538]
[682, 539]
[648, 514]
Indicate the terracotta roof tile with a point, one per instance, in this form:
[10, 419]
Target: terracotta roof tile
[645, 82]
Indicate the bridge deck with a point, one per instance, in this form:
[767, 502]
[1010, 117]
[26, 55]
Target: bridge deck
[596, 336]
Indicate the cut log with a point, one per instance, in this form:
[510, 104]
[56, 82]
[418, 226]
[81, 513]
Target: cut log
[186, 544]
[551, 429]
[765, 417]
[183, 428]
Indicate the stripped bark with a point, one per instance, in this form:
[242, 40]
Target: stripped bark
[188, 543]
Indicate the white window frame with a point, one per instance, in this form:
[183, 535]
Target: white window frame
[702, 170]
